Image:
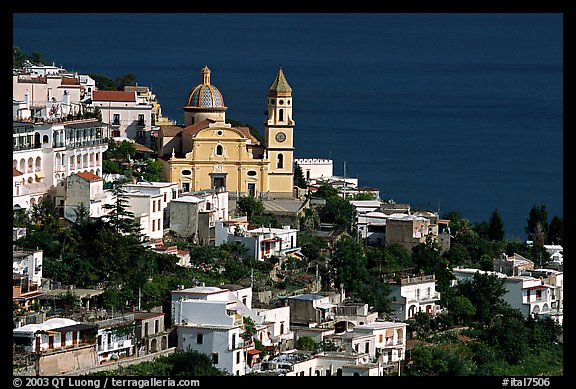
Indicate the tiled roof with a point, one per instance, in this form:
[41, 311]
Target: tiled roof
[88, 176]
[169, 130]
[69, 81]
[113, 95]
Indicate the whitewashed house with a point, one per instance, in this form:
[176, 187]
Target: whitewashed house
[28, 263]
[212, 320]
[389, 342]
[533, 297]
[147, 210]
[261, 243]
[412, 294]
[168, 191]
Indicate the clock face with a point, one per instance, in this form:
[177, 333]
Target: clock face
[280, 137]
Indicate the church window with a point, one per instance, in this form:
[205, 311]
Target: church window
[251, 173]
[186, 172]
[281, 115]
[219, 132]
[280, 164]
[219, 150]
[281, 102]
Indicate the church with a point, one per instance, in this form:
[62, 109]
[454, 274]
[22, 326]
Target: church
[208, 153]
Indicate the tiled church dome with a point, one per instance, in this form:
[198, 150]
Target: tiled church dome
[205, 95]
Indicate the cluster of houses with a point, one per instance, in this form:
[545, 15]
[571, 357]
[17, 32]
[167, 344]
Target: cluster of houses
[58, 154]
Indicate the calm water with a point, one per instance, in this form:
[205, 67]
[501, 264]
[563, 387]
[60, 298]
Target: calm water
[461, 112]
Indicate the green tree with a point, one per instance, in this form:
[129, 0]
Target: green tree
[537, 224]
[428, 259]
[306, 343]
[485, 292]
[340, 212]
[509, 336]
[18, 58]
[326, 191]
[103, 82]
[250, 206]
[299, 179]
[496, 226]
[365, 196]
[119, 216]
[348, 265]
[462, 309]
[152, 171]
[556, 231]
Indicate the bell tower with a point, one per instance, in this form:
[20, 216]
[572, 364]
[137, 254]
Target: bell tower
[279, 137]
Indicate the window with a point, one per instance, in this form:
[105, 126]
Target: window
[238, 357]
[281, 115]
[219, 150]
[199, 338]
[156, 322]
[280, 164]
[146, 329]
[215, 358]
[233, 341]
[140, 119]
[116, 119]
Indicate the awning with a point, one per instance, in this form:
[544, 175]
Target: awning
[39, 175]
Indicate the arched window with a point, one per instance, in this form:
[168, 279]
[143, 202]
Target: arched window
[281, 115]
[219, 150]
[280, 161]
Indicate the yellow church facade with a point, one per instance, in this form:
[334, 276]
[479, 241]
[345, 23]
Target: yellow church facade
[208, 153]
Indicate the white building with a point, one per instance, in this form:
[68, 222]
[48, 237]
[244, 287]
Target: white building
[126, 114]
[533, 297]
[324, 364]
[168, 191]
[314, 168]
[211, 320]
[114, 340]
[389, 340]
[261, 243]
[147, 210]
[412, 294]
[44, 154]
[53, 334]
[28, 263]
[46, 92]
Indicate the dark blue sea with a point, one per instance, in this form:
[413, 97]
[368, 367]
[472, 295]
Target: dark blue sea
[456, 112]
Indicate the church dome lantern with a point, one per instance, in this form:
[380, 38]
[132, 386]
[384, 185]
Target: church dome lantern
[205, 101]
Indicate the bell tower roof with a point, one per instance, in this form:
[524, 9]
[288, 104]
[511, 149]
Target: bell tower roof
[280, 87]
